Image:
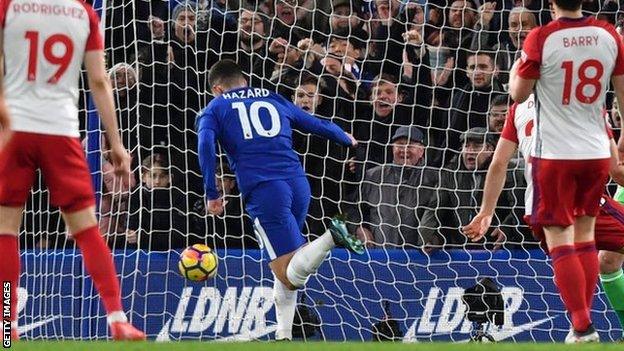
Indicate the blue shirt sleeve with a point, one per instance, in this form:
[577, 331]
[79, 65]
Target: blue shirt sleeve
[310, 124]
[206, 131]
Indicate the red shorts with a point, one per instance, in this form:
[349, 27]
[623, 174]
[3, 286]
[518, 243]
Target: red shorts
[565, 189]
[63, 166]
[609, 230]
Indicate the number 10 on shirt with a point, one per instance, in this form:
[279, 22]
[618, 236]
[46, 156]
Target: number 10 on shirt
[253, 115]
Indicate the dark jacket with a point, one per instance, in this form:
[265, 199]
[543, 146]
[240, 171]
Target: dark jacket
[459, 196]
[158, 218]
[392, 199]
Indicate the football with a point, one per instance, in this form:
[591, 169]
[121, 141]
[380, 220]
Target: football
[198, 263]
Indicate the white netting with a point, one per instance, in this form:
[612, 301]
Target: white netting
[369, 66]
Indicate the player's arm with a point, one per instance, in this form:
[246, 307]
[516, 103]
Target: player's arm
[207, 161]
[102, 93]
[526, 70]
[5, 121]
[494, 182]
[327, 129]
[519, 88]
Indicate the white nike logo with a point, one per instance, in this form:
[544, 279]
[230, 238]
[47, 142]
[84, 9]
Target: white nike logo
[163, 335]
[503, 334]
[498, 335]
[28, 327]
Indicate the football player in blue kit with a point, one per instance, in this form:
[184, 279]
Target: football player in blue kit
[254, 127]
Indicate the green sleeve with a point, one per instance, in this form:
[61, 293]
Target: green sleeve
[619, 195]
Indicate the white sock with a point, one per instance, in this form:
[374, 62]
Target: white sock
[285, 306]
[307, 259]
[117, 316]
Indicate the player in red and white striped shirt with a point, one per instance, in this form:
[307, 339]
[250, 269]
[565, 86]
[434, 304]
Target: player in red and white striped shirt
[569, 63]
[518, 135]
[44, 44]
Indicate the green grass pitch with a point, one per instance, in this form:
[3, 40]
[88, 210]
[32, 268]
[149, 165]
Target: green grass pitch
[296, 346]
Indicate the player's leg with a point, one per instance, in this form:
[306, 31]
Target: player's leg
[10, 222]
[307, 259]
[17, 171]
[70, 188]
[278, 233]
[569, 274]
[612, 280]
[585, 247]
[553, 210]
[609, 235]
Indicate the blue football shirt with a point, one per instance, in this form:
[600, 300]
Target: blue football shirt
[254, 127]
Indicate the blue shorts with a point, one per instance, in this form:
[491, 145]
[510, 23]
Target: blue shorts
[278, 209]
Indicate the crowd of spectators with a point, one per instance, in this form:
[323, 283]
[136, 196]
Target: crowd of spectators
[421, 84]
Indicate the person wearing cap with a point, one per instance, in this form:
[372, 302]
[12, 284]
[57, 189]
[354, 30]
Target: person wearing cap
[460, 191]
[178, 83]
[393, 195]
[345, 14]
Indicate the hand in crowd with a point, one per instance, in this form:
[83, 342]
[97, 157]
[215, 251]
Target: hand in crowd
[365, 236]
[131, 236]
[351, 165]
[442, 76]
[278, 46]
[157, 27]
[413, 37]
[486, 13]
[215, 207]
[500, 238]
[307, 45]
[434, 244]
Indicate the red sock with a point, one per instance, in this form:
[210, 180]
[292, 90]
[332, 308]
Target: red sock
[588, 255]
[570, 279]
[98, 261]
[10, 272]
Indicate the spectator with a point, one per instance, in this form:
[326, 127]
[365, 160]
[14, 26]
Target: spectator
[521, 21]
[287, 62]
[498, 113]
[124, 78]
[615, 117]
[158, 220]
[471, 102]
[251, 50]
[231, 230]
[394, 195]
[456, 38]
[378, 121]
[287, 23]
[386, 41]
[322, 160]
[460, 192]
[345, 15]
[178, 71]
[114, 205]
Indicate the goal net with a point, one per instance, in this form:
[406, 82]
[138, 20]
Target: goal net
[422, 86]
